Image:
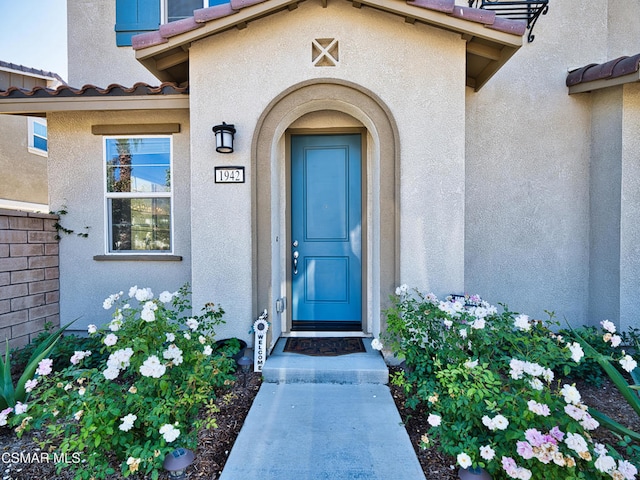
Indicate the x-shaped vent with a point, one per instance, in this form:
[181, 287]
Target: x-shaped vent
[324, 52]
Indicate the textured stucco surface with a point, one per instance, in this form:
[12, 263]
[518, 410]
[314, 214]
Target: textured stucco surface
[519, 192]
[24, 174]
[527, 176]
[623, 22]
[630, 211]
[77, 174]
[605, 190]
[417, 71]
[93, 55]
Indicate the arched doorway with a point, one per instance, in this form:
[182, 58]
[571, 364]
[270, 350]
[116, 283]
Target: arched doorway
[314, 107]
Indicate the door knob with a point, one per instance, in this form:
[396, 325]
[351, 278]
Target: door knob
[295, 262]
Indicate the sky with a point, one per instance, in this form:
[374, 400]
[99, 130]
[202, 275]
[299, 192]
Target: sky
[33, 33]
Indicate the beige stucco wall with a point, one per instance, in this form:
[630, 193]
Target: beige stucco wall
[76, 171]
[417, 71]
[93, 55]
[500, 203]
[624, 24]
[24, 174]
[630, 211]
[527, 176]
[605, 176]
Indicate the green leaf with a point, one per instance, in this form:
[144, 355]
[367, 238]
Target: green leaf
[7, 397]
[616, 377]
[614, 426]
[40, 353]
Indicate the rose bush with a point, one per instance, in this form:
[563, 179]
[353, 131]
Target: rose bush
[143, 401]
[488, 381]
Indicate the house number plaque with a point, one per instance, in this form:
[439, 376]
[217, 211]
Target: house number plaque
[229, 174]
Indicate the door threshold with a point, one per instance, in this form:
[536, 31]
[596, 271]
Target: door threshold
[316, 334]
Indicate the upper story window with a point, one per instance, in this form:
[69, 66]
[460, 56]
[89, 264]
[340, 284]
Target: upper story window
[179, 9]
[138, 194]
[139, 16]
[38, 136]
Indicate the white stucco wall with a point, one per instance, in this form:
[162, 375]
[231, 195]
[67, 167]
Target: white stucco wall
[527, 175]
[417, 71]
[76, 173]
[93, 55]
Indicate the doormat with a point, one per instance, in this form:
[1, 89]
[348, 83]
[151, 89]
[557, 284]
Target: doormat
[324, 347]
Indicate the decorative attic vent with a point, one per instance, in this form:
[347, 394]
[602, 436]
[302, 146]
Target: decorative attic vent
[324, 52]
[528, 10]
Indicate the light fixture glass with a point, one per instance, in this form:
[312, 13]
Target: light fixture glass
[224, 137]
[176, 462]
[245, 365]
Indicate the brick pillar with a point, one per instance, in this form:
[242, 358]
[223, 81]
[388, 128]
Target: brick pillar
[29, 275]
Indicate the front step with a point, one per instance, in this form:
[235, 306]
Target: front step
[354, 368]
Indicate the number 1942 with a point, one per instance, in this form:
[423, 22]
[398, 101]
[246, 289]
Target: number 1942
[229, 174]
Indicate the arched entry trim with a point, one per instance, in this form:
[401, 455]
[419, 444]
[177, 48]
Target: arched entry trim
[268, 160]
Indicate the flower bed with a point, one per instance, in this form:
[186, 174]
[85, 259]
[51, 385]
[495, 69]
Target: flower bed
[143, 401]
[488, 383]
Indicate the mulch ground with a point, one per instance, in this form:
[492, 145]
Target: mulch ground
[214, 445]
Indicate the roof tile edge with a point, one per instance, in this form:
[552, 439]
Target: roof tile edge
[615, 68]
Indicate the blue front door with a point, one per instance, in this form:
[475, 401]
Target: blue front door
[326, 224]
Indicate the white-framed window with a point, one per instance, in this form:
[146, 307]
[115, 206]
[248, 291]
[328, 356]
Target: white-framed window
[37, 133]
[179, 9]
[138, 193]
[138, 16]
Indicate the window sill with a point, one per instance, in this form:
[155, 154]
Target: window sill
[137, 258]
[37, 151]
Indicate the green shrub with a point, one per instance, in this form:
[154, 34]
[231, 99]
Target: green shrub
[143, 400]
[12, 398]
[65, 347]
[488, 382]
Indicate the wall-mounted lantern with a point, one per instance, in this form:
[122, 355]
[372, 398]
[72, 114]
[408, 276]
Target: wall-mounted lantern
[224, 137]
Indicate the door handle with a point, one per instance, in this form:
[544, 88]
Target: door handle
[295, 262]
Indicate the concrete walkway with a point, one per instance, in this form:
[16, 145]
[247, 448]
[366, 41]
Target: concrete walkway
[323, 431]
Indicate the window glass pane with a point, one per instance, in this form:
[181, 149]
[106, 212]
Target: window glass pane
[140, 224]
[39, 129]
[40, 143]
[178, 9]
[138, 165]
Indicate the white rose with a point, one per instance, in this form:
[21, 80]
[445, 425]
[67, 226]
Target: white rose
[110, 340]
[608, 326]
[166, 297]
[464, 460]
[434, 420]
[628, 363]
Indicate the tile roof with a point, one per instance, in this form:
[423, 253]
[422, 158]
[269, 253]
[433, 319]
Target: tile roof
[113, 90]
[202, 16]
[31, 71]
[610, 70]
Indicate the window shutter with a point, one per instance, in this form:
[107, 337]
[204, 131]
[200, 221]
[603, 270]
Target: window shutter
[134, 17]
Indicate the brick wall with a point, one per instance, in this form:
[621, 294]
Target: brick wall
[29, 285]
